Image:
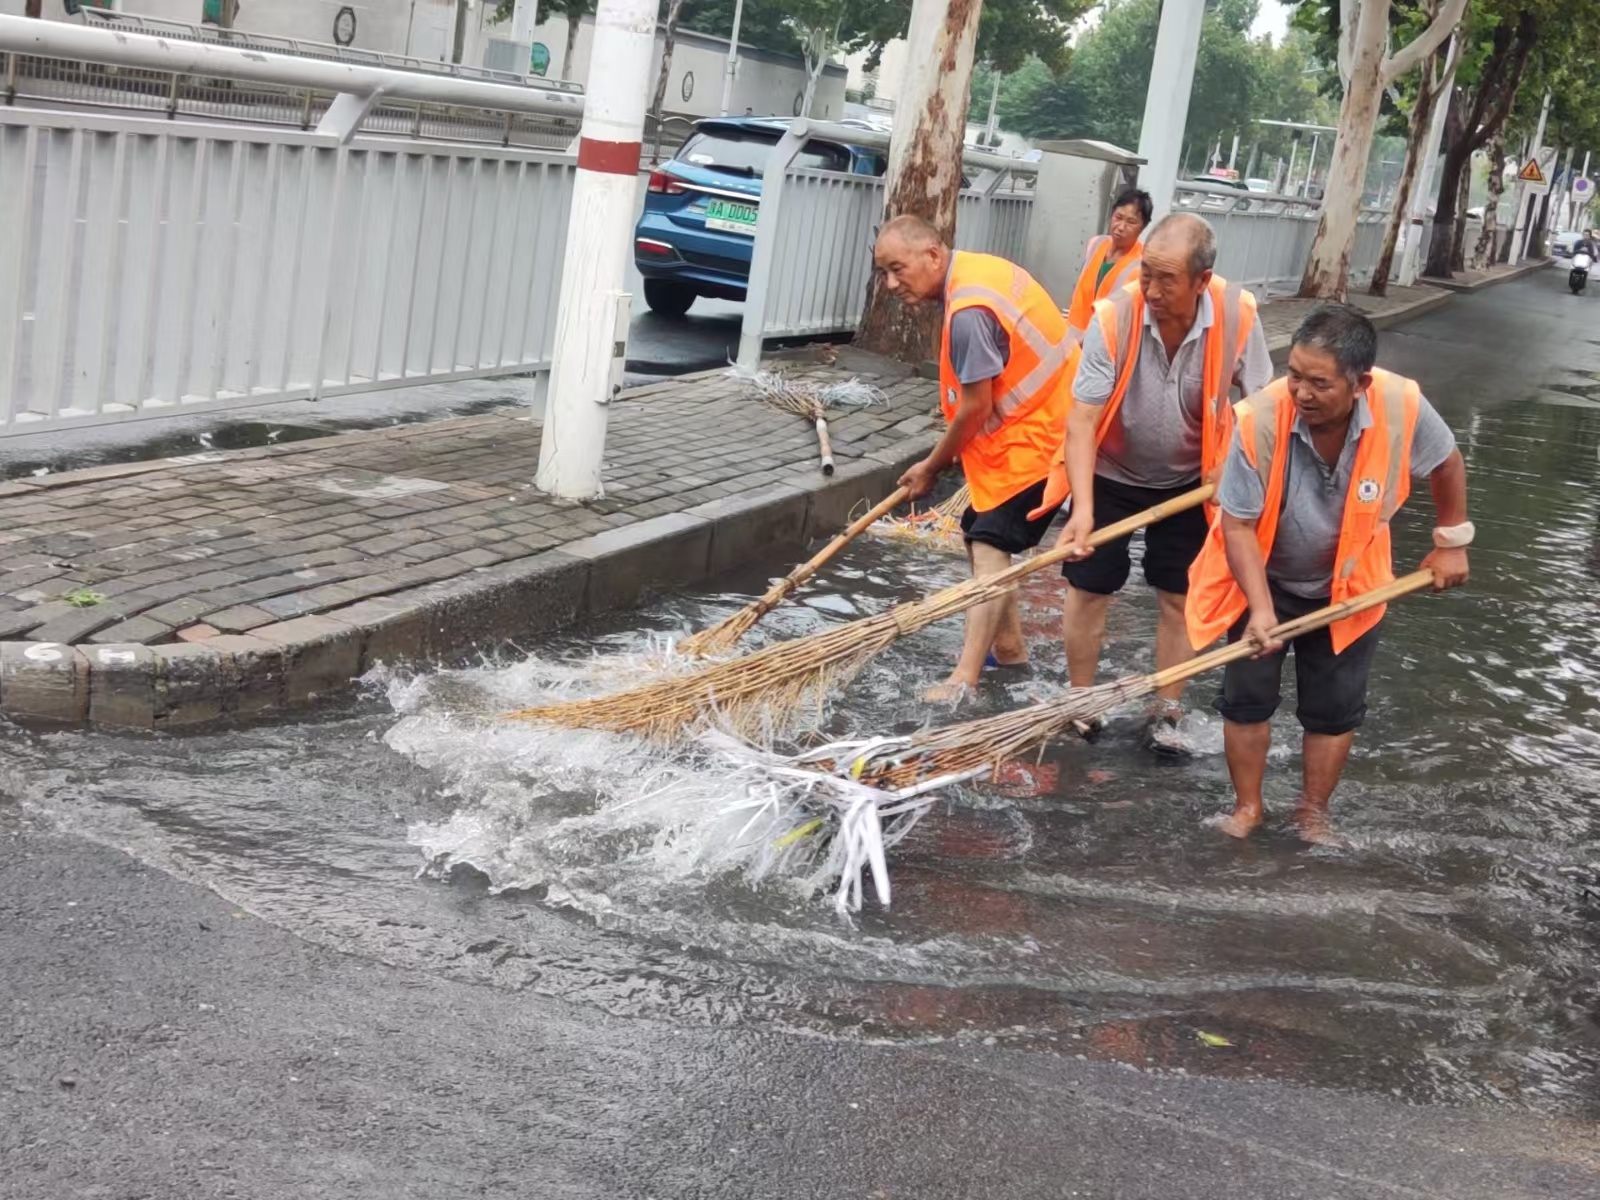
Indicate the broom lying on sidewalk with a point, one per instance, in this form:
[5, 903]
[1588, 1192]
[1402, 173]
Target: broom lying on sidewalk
[725, 634]
[760, 694]
[839, 797]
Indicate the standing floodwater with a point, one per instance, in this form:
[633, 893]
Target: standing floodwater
[1077, 904]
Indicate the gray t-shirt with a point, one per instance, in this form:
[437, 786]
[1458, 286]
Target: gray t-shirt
[1154, 440]
[979, 345]
[1307, 540]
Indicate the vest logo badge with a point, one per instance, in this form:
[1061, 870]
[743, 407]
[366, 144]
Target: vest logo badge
[1367, 491]
[954, 400]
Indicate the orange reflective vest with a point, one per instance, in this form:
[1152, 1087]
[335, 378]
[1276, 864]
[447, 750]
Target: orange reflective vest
[1012, 451]
[1380, 481]
[1122, 326]
[1091, 287]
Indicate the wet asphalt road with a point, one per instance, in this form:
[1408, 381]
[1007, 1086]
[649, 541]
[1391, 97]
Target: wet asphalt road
[160, 1042]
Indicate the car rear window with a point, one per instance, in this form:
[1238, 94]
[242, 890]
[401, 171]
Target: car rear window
[747, 153]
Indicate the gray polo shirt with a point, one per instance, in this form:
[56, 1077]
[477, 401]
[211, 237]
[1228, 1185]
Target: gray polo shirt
[979, 345]
[1307, 541]
[1154, 440]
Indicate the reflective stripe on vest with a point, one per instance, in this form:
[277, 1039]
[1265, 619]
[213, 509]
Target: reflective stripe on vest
[1052, 355]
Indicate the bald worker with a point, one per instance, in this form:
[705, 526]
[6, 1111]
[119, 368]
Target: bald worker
[1150, 417]
[1003, 390]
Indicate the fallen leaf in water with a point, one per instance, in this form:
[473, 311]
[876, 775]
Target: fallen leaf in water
[1214, 1040]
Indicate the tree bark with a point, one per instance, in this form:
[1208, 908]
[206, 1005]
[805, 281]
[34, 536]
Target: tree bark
[1458, 236]
[1483, 252]
[669, 39]
[1470, 127]
[574, 20]
[1416, 147]
[1327, 275]
[33, 8]
[925, 162]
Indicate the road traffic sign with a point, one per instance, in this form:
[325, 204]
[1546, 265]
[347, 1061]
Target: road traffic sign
[1537, 172]
[1530, 172]
[1582, 189]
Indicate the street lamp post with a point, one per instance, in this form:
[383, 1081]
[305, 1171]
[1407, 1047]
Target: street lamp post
[732, 68]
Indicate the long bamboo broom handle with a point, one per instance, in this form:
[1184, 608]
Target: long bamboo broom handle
[1293, 629]
[775, 594]
[824, 446]
[1157, 512]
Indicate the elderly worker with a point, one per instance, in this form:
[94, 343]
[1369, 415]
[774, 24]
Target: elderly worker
[1112, 259]
[1149, 418]
[1002, 371]
[1321, 461]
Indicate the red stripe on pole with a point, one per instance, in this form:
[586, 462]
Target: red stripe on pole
[609, 158]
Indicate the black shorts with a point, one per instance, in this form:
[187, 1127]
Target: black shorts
[1169, 546]
[1006, 526]
[1330, 689]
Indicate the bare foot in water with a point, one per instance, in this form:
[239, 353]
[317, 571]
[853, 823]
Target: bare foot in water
[1315, 828]
[1009, 654]
[948, 692]
[1240, 823]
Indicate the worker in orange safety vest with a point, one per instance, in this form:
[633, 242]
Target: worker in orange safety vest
[1320, 462]
[1148, 420]
[1003, 390]
[1112, 259]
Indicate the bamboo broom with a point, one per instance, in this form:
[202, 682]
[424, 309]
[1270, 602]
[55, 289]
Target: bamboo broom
[940, 757]
[848, 803]
[759, 693]
[725, 634]
[937, 528]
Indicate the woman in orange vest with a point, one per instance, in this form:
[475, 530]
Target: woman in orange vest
[1112, 259]
[1320, 462]
[1002, 385]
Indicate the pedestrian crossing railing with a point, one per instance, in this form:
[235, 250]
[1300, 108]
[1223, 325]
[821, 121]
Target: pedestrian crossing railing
[153, 267]
[1264, 241]
[812, 257]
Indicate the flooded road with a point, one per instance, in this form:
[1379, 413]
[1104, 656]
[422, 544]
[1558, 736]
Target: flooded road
[1078, 905]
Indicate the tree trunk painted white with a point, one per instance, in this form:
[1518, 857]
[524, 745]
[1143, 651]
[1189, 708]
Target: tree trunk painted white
[1418, 147]
[1368, 71]
[820, 41]
[1483, 252]
[598, 245]
[1424, 191]
[993, 125]
[574, 20]
[925, 159]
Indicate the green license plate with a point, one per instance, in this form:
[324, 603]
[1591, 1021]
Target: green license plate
[730, 216]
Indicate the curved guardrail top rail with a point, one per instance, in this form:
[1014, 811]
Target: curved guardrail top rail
[804, 128]
[300, 48]
[358, 86]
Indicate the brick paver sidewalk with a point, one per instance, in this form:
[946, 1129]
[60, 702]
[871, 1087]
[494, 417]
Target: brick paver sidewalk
[234, 541]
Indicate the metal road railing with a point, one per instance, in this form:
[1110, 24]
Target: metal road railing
[1264, 240]
[813, 241]
[203, 71]
[156, 266]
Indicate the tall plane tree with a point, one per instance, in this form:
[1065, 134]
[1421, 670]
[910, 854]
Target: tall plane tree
[1366, 67]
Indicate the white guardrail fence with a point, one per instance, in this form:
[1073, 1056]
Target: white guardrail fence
[154, 266]
[814, 236]
[1264, 240]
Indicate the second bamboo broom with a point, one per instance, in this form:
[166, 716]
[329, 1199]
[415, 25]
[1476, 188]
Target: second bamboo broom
[725, 634]
[940, 757]
[760, 693]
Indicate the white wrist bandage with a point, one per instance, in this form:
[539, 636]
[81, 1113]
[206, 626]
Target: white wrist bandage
[1454, 537]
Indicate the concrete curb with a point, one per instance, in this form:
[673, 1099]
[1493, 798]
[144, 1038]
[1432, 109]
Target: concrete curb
[1280, 343]
[290, 664]
[1457, 285]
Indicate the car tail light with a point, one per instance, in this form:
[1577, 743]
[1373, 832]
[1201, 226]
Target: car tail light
[665, 185]
[653, 247]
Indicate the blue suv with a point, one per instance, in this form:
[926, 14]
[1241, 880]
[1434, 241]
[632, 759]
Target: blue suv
[699, 222]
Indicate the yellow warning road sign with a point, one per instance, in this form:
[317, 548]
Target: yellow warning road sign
[1530, 172]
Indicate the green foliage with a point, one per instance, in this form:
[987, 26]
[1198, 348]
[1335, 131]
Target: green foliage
[1237, 80]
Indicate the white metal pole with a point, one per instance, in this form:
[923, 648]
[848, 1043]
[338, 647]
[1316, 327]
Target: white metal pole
[592, 311]
[1288, 179]
[1580, 212]
[1422, 195]
[1311, 164]
[732, 69]
[523, 18]
[1233, 155]
[1166, 101]
[1525, 195]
